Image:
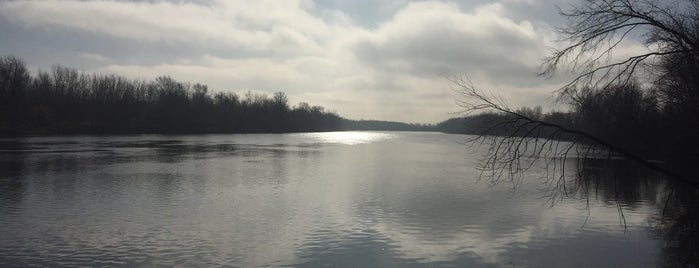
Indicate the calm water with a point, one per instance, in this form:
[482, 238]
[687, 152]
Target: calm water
[356, 199]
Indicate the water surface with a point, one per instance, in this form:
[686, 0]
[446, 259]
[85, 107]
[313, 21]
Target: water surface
[353, 199]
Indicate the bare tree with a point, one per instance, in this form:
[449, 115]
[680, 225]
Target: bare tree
[597, 28]
[14, 80]
[594, 34]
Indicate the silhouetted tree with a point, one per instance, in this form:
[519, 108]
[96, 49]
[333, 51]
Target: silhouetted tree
[66, 100]
[518, 143]
[624, 115]
[280, 101]
[596, 28]
[670, 31]
[14, 81]
[612, 114]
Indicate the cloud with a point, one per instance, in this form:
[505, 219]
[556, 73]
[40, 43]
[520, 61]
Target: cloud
[94, 57]
[256, 26]
[437, 39]
[324, 54]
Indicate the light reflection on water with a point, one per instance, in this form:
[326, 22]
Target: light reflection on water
[352, 199]
[348, 137]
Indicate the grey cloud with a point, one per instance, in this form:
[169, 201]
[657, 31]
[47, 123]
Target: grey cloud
[498, 48]
[368, 14]
[263, 26]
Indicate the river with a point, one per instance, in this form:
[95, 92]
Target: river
[339, 199]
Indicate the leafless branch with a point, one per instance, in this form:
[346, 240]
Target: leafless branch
[516, 144]
[596, 29]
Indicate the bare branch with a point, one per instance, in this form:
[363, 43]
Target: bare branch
[597, 27]
[513, 147]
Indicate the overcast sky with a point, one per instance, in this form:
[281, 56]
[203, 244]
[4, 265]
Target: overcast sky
[365, 59]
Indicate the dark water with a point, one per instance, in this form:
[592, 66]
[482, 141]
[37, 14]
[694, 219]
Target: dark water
[353, 199]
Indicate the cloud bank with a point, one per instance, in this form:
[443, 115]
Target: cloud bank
[391, 64]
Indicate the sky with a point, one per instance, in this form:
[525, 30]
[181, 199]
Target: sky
[364, 59]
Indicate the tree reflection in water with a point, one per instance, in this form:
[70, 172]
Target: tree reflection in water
[675, 219]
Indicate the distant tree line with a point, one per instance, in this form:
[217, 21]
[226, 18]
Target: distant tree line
[493, 123]
[385, 125]
[67, 101]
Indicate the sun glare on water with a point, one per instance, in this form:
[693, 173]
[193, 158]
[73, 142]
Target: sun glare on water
[350, 137]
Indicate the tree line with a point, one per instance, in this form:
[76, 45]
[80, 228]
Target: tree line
[492, 122]
[627, 116]
[67, 101]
